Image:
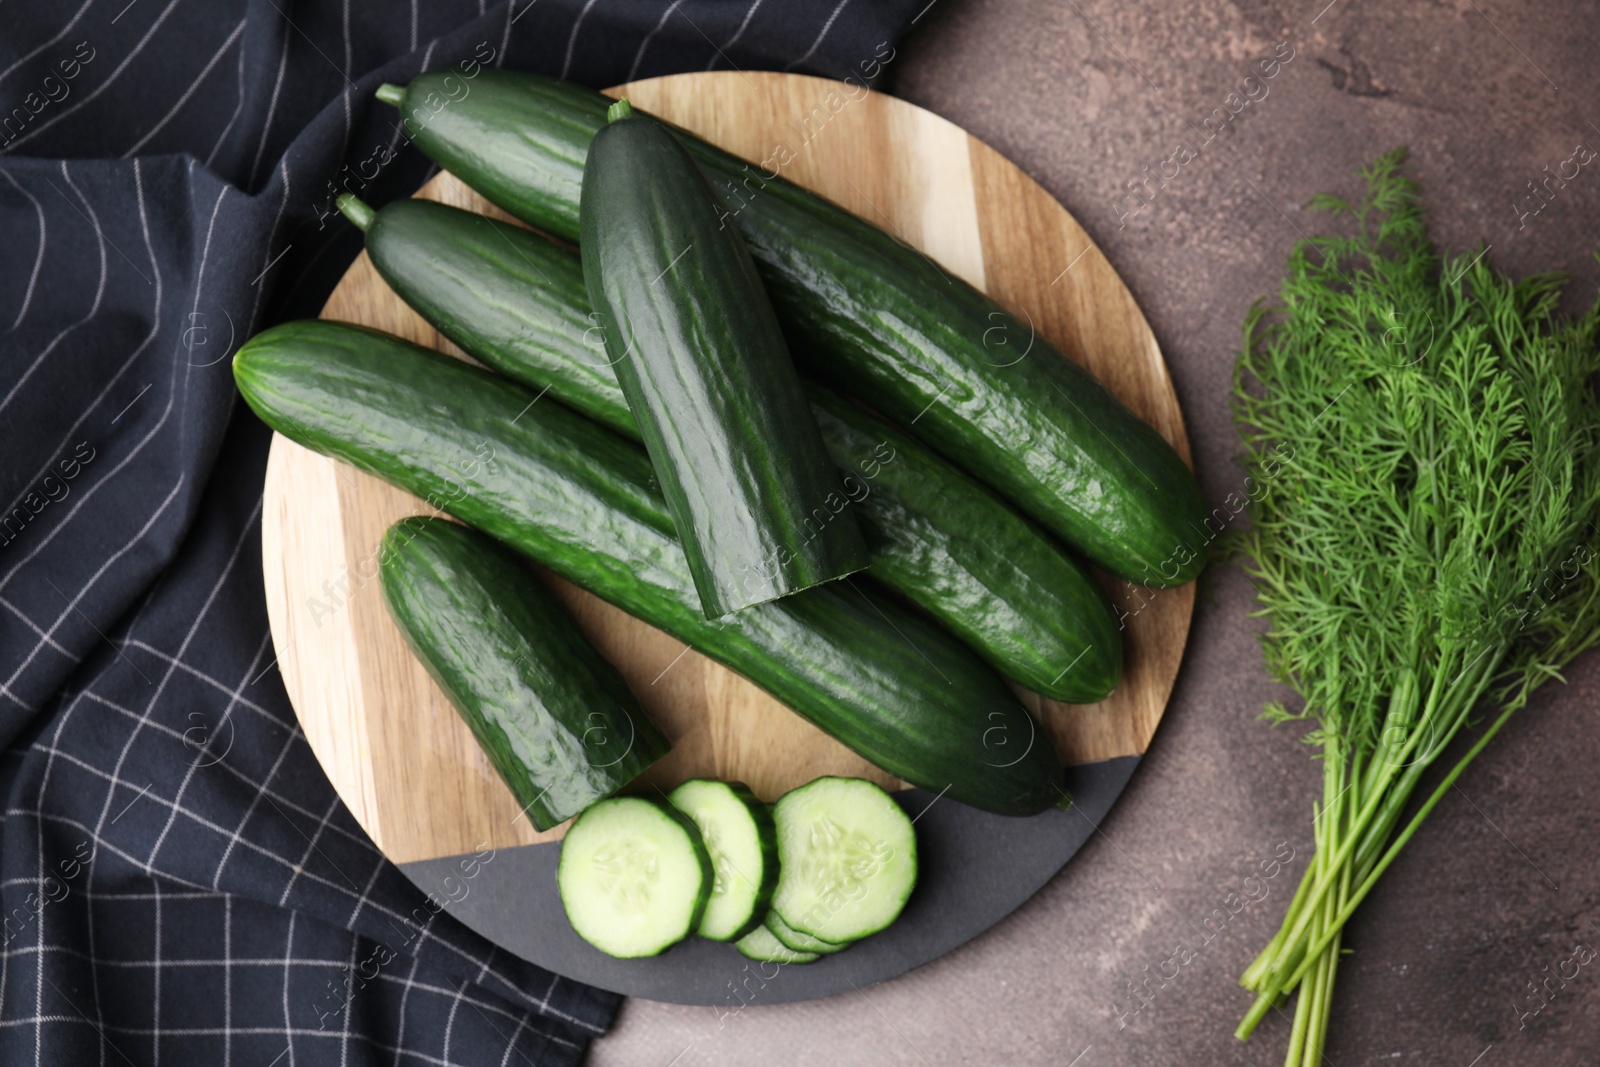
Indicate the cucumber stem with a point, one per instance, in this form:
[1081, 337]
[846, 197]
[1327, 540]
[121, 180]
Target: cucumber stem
[619, 111]
[391, 94]
[356, 210]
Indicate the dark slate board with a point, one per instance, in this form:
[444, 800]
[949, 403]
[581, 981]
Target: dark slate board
[976, 869]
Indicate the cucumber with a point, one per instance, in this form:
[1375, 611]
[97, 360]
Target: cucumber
[634, 877]
[995, 579]
[847, 860]
[515, 302]
[872, 314]
[904, 694]
[556, 720]
[738, 834]
[499, 292]
[795, 941]
[698, 352]
[763, 945]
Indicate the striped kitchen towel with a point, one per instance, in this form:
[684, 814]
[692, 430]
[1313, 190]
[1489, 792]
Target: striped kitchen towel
[179, 883]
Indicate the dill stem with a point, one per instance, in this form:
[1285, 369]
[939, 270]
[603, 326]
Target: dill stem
[1303, 1034]
[1258, 968]
[1321, 993]
[1400, 842]
[1282, 958]
[1264, 1002]
[1449, 704]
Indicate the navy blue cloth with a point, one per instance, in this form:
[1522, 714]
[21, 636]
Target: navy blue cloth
[179, 882]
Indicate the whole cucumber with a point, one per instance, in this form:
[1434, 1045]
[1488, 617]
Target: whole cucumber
[870, 313]
[698, 352]
[575, 497]
[556, 720]
[515, 301]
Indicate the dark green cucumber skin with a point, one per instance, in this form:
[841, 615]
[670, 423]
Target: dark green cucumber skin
[700, 356]
[577, 498]
[779, 926]
[793, 957]
[767, 832]
[875, 316]
[494, 288]
[976, 565]
[556, 720]
[514, 301]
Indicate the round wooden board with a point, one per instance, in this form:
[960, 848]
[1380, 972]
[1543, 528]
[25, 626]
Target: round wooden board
[393, 747]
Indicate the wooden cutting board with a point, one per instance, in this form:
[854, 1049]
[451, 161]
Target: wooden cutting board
[394, 748]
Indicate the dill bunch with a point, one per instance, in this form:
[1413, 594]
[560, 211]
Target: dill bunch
[1423, 435]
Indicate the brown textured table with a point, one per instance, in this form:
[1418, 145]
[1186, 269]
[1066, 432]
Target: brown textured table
[1085, 95]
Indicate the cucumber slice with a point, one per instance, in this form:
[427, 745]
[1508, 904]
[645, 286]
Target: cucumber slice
[634, 876]
[737, 830]
[793, 939]
[762, 944]
[848, 859]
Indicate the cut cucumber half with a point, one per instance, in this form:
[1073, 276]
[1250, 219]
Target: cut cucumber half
[793, 939]
[634, 876]
[737, 830]
[847, 860]
[762, 944]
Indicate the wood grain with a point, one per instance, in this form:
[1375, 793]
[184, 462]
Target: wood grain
[390, 742]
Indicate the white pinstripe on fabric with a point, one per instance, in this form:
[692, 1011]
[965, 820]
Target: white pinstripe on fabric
[278, 799]
[311, 848]
[572, 38]
[505, 34]
[103, 86]
[405, 996]
[511, 1045]
[155, 978]
[60, 36]
[266, 260]
[144, 965]
[326, 1035]
[234, 839]
[94, 306]
[198, 820]
[6, 687]
[194, 765]
[205, 255]
[450, 1025]
[46, 638]
[644, 44]
[38, 257]
[349, 62]
[127, 364]
[826, 26]
[227, 980]
[738, 33]
[88, 493]
[167, 657]
[238, 107]
[161, 687]
[188, 93]
[423, 932]
[344, 1030]
[288, 962]
[272, 109]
